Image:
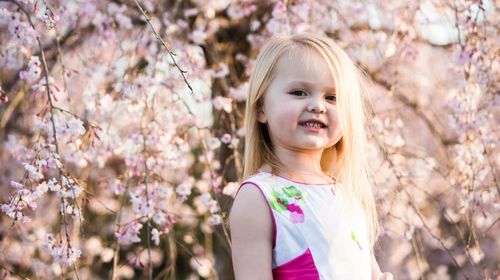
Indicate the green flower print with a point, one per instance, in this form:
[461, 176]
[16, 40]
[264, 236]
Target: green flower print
[287, 201]
[355, 239]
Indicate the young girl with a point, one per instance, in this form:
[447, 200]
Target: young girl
[305, 209]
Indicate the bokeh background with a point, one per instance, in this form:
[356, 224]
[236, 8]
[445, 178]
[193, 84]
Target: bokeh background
[122, 131]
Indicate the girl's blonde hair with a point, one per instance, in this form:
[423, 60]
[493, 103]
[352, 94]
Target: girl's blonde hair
[351, 168]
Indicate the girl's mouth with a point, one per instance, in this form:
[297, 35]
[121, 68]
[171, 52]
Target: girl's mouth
[313, 126]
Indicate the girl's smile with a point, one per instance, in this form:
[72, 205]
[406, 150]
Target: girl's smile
[313, 124]
[312, 128]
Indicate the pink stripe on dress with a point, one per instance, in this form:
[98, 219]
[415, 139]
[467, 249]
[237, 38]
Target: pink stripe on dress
[299, 268]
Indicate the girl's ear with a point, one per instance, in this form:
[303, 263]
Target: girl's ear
[261, 116]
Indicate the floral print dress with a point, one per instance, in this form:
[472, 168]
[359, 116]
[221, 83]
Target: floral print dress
[318, 232]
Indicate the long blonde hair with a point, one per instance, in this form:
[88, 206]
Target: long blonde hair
[351, 168]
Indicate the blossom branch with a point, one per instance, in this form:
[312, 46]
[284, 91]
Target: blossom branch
[170, 53]
[48, 91]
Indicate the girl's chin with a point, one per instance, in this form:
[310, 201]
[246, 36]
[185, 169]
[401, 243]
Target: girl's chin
[313, 145]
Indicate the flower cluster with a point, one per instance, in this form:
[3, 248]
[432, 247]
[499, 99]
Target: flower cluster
[20, 29]
[63, 254]
[213, 207]
[34, 70]
[129, 233]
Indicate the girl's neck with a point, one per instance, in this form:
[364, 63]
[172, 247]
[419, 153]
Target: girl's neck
[309, 176]
[304, 166]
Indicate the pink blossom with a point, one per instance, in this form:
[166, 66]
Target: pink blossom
[74, 127]
[240, 93]
[117, 187]
[43, 187]
[279, 10]
[142, 205]
[73, 191]
[159, 217]
[254, 25]
[222, 72]
[155, 236]
[16, 185]
[209, 202]
[226, 138]
[223, 103]
[234, 11]
[34, 70]
[240, 9]
[40, 88]
[129, 233]
[12, 211]
[123, 21]
[198, 36]
[22, 30]
[53, 185]
[34, 173]
[215, 219]
[184, 189]
[63, 254]
[118, 12]
[50, 19]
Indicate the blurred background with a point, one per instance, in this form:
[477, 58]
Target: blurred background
[122, 133]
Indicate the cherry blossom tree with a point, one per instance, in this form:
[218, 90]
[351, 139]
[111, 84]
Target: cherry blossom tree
[122, 130]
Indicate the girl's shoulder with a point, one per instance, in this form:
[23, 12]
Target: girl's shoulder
[250, 210]
[253, 182]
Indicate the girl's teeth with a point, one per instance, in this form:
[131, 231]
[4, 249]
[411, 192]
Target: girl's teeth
[313, 125]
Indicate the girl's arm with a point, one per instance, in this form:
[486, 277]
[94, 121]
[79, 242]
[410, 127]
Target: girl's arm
[251, 234]
[377, 273]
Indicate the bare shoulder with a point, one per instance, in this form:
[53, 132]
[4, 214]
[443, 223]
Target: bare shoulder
[248, 200]
[251, 234]
[251, 212]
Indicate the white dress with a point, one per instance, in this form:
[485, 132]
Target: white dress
[318, 234]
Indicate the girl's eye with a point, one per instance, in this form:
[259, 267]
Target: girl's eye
[332, 97]
[298, 92]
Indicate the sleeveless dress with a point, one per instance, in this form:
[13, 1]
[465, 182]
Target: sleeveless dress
[318, 232]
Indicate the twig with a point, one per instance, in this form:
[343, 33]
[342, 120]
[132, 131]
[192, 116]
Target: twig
[116, 254]
[171, 54]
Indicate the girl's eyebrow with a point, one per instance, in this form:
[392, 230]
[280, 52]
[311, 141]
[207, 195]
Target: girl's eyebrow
[310, 84]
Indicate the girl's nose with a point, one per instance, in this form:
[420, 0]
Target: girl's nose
[316, 105]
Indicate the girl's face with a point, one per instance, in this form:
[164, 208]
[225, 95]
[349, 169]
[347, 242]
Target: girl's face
[302, 90]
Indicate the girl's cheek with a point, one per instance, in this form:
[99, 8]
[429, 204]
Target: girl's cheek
[291, 116]
[334, 115]
[283, 120]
